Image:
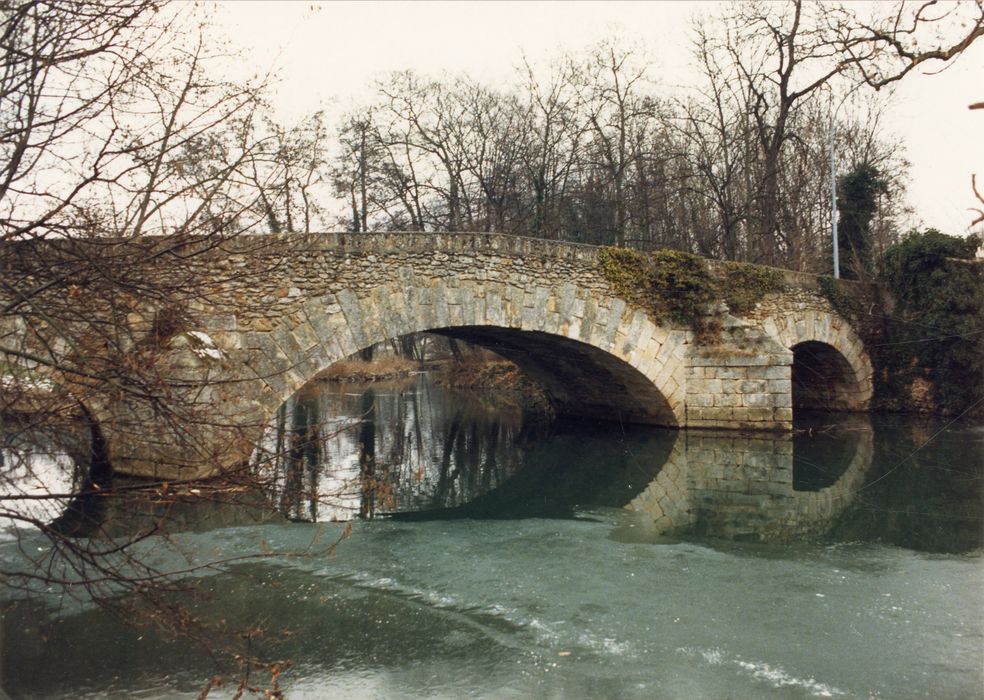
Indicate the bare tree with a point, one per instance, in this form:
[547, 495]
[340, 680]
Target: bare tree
[289, 173]
[64, 70]
[554, 137]
[618, 115]
[588, 149]
[430, 115]
[781, 54]
[781, 64]
[894, 40]
[358, 162]
[122, 161]
[973, 184]
[492, 135]
[383, 177]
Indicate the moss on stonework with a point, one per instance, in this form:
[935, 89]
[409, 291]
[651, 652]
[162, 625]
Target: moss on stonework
[923, 329]
[842, 298]
[628, 272]
[744, 285]
[681, 287]
[669, 284]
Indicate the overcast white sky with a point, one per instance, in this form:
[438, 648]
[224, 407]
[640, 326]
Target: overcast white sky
[328, 55]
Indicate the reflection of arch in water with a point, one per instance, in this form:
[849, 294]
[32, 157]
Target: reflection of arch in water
[579, 467]
[819, 507]
[405, 445]
[718, 485]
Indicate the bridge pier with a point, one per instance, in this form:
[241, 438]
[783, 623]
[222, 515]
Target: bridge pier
[742, 382]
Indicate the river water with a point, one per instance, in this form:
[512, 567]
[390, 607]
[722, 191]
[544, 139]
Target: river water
[495, 554]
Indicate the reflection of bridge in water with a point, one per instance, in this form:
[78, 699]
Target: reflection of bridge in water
[758, 488]
[703, 483]
[417, 452]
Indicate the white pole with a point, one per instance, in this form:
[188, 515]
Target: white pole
[833, 193]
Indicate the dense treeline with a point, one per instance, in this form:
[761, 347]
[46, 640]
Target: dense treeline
[602, 147]
[595, 149]
[600, 162]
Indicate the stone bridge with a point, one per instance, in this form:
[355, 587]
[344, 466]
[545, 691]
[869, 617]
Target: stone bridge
[282, 308]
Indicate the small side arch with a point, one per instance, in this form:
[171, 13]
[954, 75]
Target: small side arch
[831, 369]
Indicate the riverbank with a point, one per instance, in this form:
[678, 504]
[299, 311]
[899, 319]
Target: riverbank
[379, 369]
[495, 375]
[473, 372]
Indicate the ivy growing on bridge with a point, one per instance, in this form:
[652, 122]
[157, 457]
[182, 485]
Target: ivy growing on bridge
[680, 287]
[743, 285]
[924, 330]
[936, 330]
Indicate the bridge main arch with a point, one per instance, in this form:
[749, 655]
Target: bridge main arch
[595, 356]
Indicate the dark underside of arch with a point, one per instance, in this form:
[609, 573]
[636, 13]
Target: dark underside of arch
[822, 378]
[579, 379]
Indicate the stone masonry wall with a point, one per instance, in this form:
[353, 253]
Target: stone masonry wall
[282, 308]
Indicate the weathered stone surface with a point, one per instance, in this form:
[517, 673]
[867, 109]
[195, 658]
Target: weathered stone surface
[544, 304]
